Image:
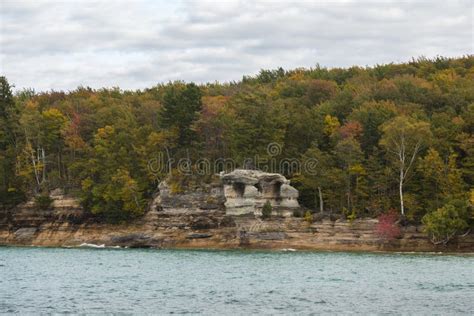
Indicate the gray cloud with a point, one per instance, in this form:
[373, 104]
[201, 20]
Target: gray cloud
[52, 44]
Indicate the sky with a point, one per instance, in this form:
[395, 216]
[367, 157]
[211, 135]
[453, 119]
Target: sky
[135, 44]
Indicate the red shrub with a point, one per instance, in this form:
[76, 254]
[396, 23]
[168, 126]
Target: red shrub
[387, 227]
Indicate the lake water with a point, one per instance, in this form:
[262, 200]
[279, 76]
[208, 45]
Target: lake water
[45, 280]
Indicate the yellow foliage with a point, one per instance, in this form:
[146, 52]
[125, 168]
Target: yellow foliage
[331, 124]
[357, 169]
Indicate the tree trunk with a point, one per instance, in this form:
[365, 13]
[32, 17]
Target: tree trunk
[348, 193]
[33, 161]
[59, 166]
[321, 203]
[43, 157]
[402, 208]
[169, 161]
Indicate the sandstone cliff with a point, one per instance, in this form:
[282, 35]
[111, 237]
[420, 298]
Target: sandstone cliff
[67, 225]
[222, 214]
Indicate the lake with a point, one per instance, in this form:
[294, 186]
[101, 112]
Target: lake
[138, 281]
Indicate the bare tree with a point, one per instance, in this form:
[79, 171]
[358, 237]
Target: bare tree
[403, 138]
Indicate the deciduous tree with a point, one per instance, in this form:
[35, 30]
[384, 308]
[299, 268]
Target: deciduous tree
[403, 139]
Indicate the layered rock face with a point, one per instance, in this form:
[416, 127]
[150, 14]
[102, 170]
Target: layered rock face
[246, 191]
[206, 197]
[68, 227]
[204, 216]
[239, 192]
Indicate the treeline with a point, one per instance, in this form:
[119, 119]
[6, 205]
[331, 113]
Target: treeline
[394, 136]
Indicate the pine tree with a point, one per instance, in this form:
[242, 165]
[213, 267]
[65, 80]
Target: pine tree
[10, 191]
[181, 106]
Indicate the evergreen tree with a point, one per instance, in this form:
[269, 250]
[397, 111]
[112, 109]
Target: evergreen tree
[11, 188]
[180, 109]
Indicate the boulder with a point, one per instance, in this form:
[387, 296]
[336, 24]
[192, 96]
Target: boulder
[25, 233]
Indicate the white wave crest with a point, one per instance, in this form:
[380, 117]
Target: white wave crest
[91, 245]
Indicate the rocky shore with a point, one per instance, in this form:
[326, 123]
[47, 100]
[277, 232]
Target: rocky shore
[222, 214]
[66, 225]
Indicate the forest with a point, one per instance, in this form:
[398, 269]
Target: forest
[395, 137]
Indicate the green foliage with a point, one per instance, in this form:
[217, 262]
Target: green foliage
[12, 184]
[371, 115]
[99, 143]
[350, 215]
[181, 106]
[446, 222]
[43, 202]
[256, 121]
[308, 217]
[117, 200]
[112, 189]
[267, 210]
[441, 178]
[11, 198]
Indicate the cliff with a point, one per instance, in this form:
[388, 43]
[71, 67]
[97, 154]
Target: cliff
[66, 225]
[222, 214]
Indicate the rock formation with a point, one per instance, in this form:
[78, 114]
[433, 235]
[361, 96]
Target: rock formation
[198, 216]
[246, 191]
[239, 192]
[205, 197]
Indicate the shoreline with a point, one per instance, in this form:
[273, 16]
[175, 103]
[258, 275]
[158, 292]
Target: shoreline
[249, 250]
[66, 225]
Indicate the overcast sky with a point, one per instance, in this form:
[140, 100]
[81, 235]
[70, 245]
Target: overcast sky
[136, 44]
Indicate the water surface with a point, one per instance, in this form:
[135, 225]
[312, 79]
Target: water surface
[45, 280]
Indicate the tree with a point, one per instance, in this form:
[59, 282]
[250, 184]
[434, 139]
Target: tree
[44, 137]
[350, 158]
[113, 145]
[211, 126]
[318, 91]
[314, 181]
[181, 106]
[267, 210]
[31, 128]
[11, 188]
[53, 123]
[331, 125]
[446, 222]
[256, 121]
[403, 139]
[371, 115]
[115, 182]
[351, 129]
[441, 179]
[305, 124]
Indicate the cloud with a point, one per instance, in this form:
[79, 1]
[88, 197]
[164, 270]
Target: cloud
[54, 44]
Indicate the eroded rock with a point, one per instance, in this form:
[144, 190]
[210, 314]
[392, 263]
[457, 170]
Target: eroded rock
[239, 192]
[203, 222]
[246, 191]
[198, 236]
[25, 233]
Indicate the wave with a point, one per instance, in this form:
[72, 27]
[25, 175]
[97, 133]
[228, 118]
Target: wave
[288, 249]
[92, 245]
